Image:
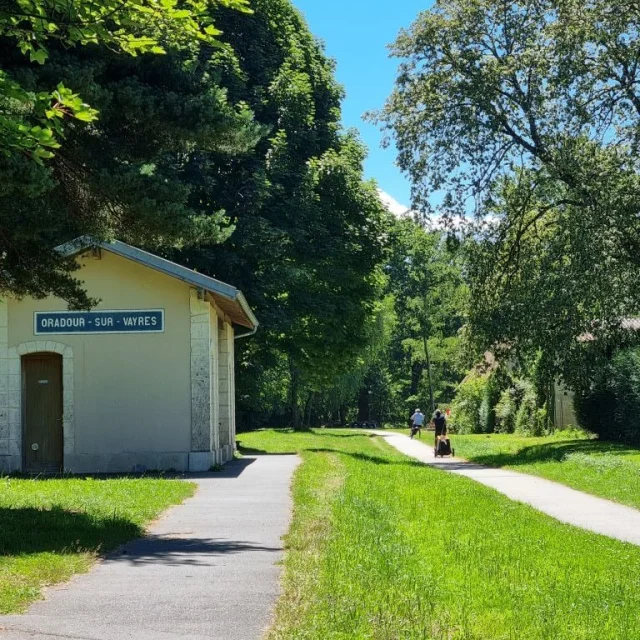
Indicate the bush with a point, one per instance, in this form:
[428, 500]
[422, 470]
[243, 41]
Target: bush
[524, 417]
[501, 403]
[484, 415]
[506, 410]
[531, 420]
[593, 406]
[487, 415]
[468, 401]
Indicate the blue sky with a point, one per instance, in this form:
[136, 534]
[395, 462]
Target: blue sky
[356, 34]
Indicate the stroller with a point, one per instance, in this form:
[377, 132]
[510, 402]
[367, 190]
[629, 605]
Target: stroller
[443, 447]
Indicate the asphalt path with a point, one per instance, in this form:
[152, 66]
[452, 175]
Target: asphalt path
[207, 569]
[557, 500]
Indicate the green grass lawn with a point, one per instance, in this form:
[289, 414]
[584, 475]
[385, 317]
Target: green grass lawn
[52, 529]
[604, 469]
[384, 548]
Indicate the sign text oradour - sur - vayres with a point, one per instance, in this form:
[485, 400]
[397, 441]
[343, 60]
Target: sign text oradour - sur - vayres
[112, 321]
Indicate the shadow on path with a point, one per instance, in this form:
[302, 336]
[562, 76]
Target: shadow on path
[456, 465]
[231, 469]
[180, 549]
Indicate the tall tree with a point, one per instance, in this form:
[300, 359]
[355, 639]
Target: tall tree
[425, 278]
[31, 122]
[527, 111]
[137, 172]
[308, 231]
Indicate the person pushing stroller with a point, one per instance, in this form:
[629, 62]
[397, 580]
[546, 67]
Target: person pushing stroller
[440, 425]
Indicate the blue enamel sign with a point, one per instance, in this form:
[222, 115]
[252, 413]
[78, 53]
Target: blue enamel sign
[84, 322]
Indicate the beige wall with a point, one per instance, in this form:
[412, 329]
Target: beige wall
[132, 392]
[565, 415]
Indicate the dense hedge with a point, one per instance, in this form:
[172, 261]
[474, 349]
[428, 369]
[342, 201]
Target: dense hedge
[610, 404]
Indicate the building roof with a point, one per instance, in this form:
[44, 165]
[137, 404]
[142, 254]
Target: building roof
[230, 300]
[627, 324]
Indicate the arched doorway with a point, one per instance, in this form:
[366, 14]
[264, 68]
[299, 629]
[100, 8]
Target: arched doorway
[42, 407]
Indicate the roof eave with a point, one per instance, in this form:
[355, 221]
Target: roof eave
[213, 286]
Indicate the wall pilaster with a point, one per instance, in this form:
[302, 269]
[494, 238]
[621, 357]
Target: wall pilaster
[4, 382]
[200, 373]
[227, 399]
[215, 395]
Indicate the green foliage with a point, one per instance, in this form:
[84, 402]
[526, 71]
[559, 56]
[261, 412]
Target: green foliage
[488, 406]
[308, 231]
[531, 109]
[31, 122]
[610, 404]
[506, 410]
[530, 419]
[425, 279]
[466, 408]
[138, 173]
[502, 398]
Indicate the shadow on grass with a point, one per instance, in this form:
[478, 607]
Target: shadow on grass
[252, 451]
[27, 531]
[363, 434]
[231, 469]
[363, 457]
[550, 452]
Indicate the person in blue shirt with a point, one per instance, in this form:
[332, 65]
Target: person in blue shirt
[417, 420]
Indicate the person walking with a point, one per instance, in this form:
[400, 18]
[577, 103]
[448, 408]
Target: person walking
[417, 420]
[440, 424]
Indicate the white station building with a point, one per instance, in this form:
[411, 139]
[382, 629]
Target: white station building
[144, 381]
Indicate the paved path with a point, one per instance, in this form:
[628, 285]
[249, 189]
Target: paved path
[207, 569]
[557, 500]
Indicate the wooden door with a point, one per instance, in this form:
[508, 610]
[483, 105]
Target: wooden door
[42, 441]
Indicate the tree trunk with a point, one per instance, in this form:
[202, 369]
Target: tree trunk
[308, 410]
[364, 408]
[426, 351]
[416, 374]
[294, 395]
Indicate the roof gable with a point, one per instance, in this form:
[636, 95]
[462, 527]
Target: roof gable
[230, 299]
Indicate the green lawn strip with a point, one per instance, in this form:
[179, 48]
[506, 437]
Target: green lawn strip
[52, 529]
[605, 469]
[382, 547]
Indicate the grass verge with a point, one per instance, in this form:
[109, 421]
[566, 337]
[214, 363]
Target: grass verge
[381, 547]
[51, 529]
[605, 469]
